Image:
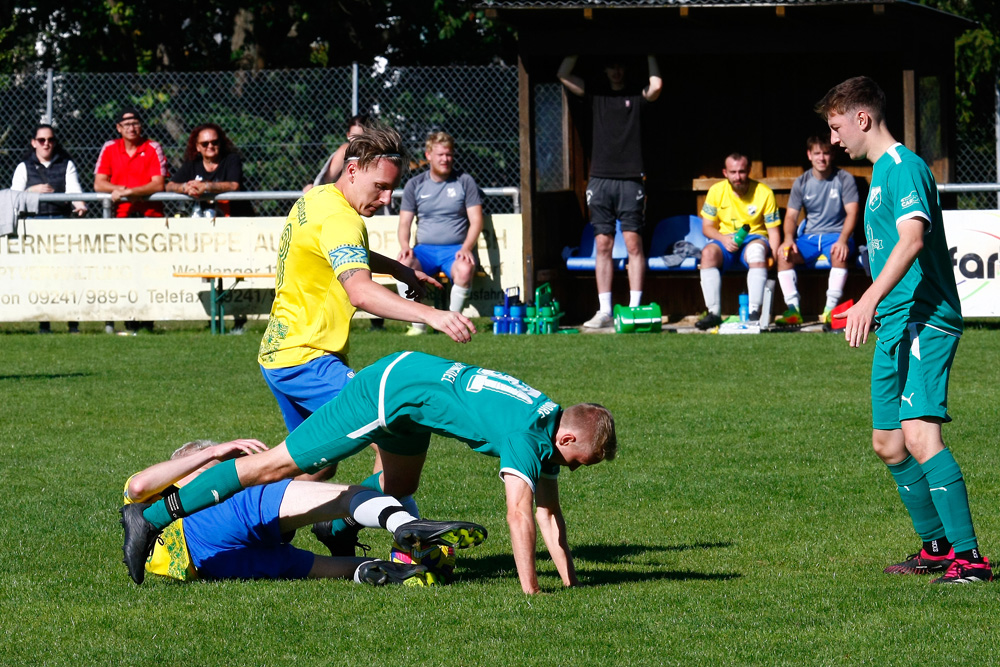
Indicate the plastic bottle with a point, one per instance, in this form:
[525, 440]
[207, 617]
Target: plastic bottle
[741, 235]
[517, 320]
[500, 323]
[744, 307]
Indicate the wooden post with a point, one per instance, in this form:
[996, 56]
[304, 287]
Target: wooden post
[526, 124]
[910, 110]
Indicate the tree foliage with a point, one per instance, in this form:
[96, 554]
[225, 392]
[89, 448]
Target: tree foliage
[206, 35]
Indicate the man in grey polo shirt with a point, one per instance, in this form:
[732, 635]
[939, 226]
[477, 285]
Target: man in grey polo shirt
[448, 206]
[830, 198]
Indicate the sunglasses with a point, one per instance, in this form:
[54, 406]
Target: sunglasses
[45, 140]
[206, 144]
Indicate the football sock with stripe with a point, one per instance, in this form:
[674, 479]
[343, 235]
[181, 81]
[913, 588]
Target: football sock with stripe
[374, 510]
[947, 490]
[916, 496]
[209, 488]
[338, 526]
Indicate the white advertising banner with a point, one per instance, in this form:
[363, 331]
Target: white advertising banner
[111, 269]
[974, 244]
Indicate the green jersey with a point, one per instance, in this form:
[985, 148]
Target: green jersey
[904, 188]
[401, 399]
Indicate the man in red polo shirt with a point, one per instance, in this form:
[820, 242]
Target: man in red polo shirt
[131, 168]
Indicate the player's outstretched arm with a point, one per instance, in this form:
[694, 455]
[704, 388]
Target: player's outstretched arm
[156, 478]
[553, 526]
[520, 501]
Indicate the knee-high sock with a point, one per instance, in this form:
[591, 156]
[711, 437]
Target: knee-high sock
[374, 482]
[835, 287]
[789, 287]
[209, 488]
[458, 297]
[755, 287]
[711, 289]
[947, 488]
[374, 510]
[916, 496]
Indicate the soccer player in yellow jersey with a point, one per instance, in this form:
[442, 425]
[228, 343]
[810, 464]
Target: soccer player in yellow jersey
[730, 204]
[325, 273]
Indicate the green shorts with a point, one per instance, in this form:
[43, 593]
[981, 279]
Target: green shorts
[910, 378]
[350, 422]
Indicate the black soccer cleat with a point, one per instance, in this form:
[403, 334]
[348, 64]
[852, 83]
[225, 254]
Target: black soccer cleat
[423, 533]
[140, 536]
[341, 544]
[922, 562]
[382, 572]
[708, 321]
[966, 572]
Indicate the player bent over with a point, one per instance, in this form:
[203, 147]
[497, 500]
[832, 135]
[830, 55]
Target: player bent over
[920, 321]
[398, 402]
[248, 535]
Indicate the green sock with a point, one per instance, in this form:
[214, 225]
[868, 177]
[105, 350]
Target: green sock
[916, 496]
[209, 488]
[338, 526]
[947, 488]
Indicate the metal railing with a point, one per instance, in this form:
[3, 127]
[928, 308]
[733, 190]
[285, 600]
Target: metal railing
[257, 195]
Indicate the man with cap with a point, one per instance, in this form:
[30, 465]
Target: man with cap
[131, 168]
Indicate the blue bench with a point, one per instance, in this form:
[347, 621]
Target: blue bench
[668, 232]
[584, 257]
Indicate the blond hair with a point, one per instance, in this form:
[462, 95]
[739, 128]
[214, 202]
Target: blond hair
[593, 421]
[377, 142]
[189, 448]
[438, 138]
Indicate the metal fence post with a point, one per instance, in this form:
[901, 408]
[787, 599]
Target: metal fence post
[996, 120]
[354, 88]
[48, 96]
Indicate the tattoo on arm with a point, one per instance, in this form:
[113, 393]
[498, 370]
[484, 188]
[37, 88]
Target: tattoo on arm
[343, 277]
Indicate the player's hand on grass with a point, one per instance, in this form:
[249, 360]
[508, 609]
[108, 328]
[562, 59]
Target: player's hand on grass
[237, 448]
[458, 327]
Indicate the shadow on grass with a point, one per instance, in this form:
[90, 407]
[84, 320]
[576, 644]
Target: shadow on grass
[43, 376]
[502, 566]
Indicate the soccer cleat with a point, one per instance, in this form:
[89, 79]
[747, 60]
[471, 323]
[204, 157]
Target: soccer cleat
[424, 533]
[416, 331]
[382, 572]
[791, 317]
[140, 536]
[922, 563]
[600, 320]
[341, 544]
[966, 572]
[826, 317]
[439, 560]
[708, 321]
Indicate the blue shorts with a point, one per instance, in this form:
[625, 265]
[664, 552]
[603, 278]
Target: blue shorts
[728, 258]
[240, 539]
[304, 389]
[434, 258]
[814, 246]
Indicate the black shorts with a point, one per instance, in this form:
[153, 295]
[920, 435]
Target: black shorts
[611, 199]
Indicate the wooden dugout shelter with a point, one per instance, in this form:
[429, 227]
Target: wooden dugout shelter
[739, 75]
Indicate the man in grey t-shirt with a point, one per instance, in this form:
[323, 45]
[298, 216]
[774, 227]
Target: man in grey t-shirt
[448, 206]
[830, 199]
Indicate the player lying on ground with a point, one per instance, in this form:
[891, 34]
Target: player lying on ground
[248, 535]
[398, 402]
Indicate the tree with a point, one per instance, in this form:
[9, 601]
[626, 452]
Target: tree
[205, 35]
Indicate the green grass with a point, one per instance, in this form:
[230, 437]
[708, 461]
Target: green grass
[745, 522]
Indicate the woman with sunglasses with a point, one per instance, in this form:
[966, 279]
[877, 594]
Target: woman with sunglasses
[211, 166]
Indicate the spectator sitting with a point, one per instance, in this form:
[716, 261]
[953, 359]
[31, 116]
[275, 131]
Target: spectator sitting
[334, 164]
[830, 198]
[131, 168]
[211, 165]
[729, 205]
[46, 168]
[449, 209]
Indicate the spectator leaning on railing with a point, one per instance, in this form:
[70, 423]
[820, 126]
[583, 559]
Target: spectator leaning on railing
[211, 166]
[47, 167]
[131, 168]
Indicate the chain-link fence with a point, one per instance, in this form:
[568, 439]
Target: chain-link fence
[976, 162]
[284, 123]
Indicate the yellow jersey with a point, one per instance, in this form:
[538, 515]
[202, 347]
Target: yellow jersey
[311, 315]
[756, 208]
[170, 557]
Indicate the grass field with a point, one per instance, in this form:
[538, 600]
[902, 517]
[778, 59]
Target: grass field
[745, 522]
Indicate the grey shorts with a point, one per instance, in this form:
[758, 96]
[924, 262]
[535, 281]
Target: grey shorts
[611, 199]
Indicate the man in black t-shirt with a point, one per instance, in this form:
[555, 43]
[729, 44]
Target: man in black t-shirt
[615, 189]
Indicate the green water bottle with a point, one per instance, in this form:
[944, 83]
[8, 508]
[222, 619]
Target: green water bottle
[741, 235]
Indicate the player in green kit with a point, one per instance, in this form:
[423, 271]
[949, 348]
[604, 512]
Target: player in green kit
[915, 301]
[398, 402]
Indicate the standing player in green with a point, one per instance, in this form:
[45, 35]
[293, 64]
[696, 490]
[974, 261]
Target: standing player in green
[915, 301]
[397, 402]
